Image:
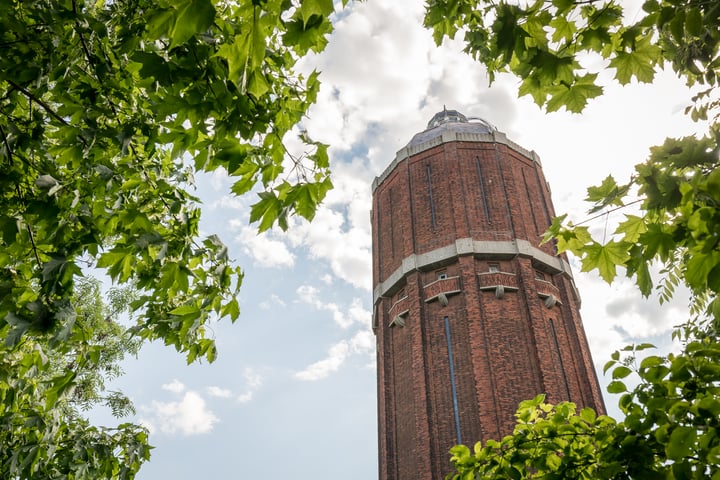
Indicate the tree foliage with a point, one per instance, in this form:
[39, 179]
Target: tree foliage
[107, 111]
[670, 427]
[45, 385]
[547, 44]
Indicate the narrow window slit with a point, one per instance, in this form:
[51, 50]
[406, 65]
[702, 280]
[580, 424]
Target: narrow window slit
[482, 190]
[453, 386]
[432, 202]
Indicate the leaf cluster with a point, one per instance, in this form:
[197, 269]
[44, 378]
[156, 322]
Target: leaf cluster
[47, 381]
[108, 109]
[545, 43]
[678, 226]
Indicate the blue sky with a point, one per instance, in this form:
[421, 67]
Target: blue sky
[293, 390]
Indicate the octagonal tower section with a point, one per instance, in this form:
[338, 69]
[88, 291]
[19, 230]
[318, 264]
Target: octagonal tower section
[472, 314]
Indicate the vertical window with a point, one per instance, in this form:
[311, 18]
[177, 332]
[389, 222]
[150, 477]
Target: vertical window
[482, 190]
[560, 359]
[432, 202]
[453, 386]
[530, 199]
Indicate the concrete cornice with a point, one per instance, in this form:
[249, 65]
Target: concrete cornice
[467, 246]
[453, 136]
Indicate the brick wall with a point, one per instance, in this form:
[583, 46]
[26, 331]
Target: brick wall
[507, 344]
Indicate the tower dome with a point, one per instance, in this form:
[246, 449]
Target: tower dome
[454, 122]
[446, 116]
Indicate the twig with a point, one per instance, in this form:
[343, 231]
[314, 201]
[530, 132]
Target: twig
[45, 106]
[20, 195]
[609, 211]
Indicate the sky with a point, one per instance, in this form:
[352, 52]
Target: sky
[293, 392]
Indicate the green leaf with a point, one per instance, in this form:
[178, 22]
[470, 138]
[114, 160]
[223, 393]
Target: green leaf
[632, 227]
[160, 23]
[257, 86]
[574, 97]
[231, 309]
[682, 441]
[616, 387]
[58, 387]
[267, 210]
[605, 258]
[191, 310]
[564, 29]
[310, 34]
[563, 5]
[589, 415]
[192, 17]
[651, 361]
[694, 22]
[237, 57]
[608, 365]
[639, 63]
[18, 328]
[574, 240]
[552, 461]
[699, 267]
[311, 8]
[607, 193]
[621, 372]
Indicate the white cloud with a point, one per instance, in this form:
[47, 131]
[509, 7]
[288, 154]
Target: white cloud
[218, 392]
[265, 250]
[220, 179]
[361, 343]
[229, 202]
[358, 314]
[273, 300]
[245, 397]
[345, 247]
[176, 386]
[321, 369]
[252, 378]
[253, 381]
[189, 416]
[354, 314]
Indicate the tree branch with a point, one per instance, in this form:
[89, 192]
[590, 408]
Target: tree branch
[19, 194]
[44, 105]
[7, 145]
[90, 61]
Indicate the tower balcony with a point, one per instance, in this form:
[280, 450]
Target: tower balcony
[548, 292]
[491, 280]
[442, 286]
[399, 308]
[499, 282]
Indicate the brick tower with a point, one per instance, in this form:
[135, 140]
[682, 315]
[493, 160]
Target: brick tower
[471, 314]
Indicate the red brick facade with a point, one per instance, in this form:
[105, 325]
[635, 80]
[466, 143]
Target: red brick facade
[471, 314]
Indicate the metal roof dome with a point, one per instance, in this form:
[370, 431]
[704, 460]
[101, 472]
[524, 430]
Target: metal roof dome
[446, 116]
[451, 120]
